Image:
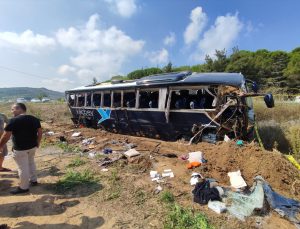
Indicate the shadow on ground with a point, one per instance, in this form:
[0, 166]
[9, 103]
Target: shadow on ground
[88, 223]
[273, 136]
[40, 207]
[51, 189]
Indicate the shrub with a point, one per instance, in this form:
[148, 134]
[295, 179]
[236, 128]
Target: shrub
[179, 218]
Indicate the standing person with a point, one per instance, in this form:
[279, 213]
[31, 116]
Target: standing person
[3, 120]
[26, 135]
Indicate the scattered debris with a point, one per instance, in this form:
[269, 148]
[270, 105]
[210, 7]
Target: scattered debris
[131, 153]
[285, 207]
[226, 138]
[184, 157]
[217, 206]
[76, 134]
[239, 143]
[88, 141]
[236, 180]
[167, 173]
[193, 165]
[107, 151]
[169, 155]
[158, 189]
[129, 146]
[242, 205]
[195, 156]
[204, 193]
[195, 178]
[92, 155]
[49, 133]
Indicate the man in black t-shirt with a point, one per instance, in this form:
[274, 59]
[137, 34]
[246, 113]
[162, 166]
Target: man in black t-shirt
[26, 135]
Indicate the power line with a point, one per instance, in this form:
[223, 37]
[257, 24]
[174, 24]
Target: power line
[25, 73]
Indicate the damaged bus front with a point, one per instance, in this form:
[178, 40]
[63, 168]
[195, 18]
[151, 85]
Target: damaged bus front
[196, 107]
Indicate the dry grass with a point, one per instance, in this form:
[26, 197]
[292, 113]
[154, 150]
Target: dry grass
[279, 127]
[55, 111]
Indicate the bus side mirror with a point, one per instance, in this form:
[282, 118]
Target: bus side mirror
[255, 87]
[269, 100]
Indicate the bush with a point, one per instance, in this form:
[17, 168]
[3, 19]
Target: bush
[179, 218]
[167, 197]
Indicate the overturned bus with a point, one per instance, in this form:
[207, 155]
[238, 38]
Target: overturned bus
[193, 106]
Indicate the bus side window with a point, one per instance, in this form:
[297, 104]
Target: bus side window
[80, 100]
[71, 100]
[97, 100]
[107, 100]
[129, 99]
[149, 99]
[117, 99]
[180, 99]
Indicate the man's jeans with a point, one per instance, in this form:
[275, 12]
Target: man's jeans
[26, 166]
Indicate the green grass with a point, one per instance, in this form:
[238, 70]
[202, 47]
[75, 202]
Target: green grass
[73, 179]
[115, 187]
[167, 197]
[76, 162]
[67, 148]
[182, 218]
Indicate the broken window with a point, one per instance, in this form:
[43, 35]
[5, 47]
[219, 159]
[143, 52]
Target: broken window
[129, 99]
[117, 99]
[71, 100]
[149, 99]
[97, 100]
[80, 100]
[107, 99]
[192, 99]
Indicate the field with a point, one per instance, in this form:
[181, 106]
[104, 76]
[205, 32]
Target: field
[76, 193]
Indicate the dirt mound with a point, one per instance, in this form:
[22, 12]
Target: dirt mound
[222, 158]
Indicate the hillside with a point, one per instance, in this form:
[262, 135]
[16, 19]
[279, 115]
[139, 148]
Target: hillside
[28, 93]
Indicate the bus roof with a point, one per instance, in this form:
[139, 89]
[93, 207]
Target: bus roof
[171, 79]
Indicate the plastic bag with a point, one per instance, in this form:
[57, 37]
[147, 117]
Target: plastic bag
[243, 205]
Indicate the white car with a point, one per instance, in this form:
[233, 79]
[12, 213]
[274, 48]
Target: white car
[297, 99]
[35, 100]
[44, 100]
[21, 100]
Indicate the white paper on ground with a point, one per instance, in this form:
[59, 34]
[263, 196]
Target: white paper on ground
[76, 134]
[195, 156]
[236, 179]
[131, 153]
[153, 174]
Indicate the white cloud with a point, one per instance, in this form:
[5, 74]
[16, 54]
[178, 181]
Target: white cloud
[26, 41]
[220, 35]
[99, 52]
[198, 21]
[170, 39]
[65, 69]
[59, 84]
[158, 57]
[125, 8]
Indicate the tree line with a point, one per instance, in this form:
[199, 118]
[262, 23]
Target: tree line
[279, 70]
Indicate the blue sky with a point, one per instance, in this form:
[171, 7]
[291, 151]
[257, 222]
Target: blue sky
[63, 44]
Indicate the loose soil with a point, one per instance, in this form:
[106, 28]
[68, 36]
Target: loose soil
[125, 195]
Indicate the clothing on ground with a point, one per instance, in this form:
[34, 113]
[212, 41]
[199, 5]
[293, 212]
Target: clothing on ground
[203, 193]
